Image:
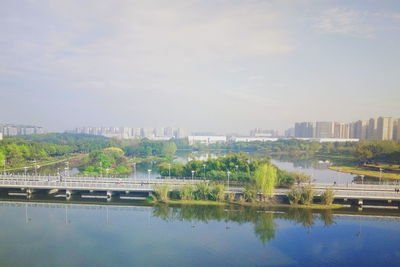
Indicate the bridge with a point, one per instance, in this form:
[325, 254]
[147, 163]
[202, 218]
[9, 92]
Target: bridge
[126, 188]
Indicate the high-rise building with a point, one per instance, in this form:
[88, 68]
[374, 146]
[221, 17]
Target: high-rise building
[147, 133]
[384, 128]
[371, 129]
[290, 132]
[159, 132]
[304, 129]
[396, 130]
[259, 132]
[182, 133]
[324, 129]
[341, 130]
[169, 132]
[358, 130]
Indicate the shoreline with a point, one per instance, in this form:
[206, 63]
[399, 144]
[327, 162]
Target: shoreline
[361, 171]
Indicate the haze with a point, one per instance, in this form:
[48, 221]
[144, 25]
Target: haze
[224, 66]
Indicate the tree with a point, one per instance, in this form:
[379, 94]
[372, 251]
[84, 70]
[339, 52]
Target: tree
[169, 150]
[266, 179]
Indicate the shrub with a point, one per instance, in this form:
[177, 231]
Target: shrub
[202, 191]
[218, 192]
[250, 192]
[162, 192]
[328, 196]
[294, 196]
[186, 192]
[307, 195]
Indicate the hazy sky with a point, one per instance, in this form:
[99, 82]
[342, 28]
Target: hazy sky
[225, 66]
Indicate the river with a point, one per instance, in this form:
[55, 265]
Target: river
[81, 234]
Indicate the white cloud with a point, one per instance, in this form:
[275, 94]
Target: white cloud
[345, 21]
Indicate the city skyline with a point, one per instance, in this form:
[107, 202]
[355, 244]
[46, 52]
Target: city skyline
[220, 66]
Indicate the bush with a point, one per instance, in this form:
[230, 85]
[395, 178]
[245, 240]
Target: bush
[294, 196]
[307, 195]
[218, 192]
[250, 192]
[186, 192]
[162, 192]
[328, 196]
[202, 191]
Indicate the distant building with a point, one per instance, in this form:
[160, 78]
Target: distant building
[1, 136]
[206, 139]
[304, 129]
[396, 130]
[384, 128]
[372, 129]
[259, 132]
[341, 130]
[290, 132]
[324, 129]
[182, 133]
[253, 139]
[14, 129]
[358, 130]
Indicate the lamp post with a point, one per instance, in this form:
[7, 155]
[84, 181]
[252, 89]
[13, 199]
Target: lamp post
[228, 179]
[4, 167]
[25, 169]
[193, 175]
[148, 175]
[362, 178]
[101, 169]
[169, 170]
[35, 166]
[204, 168]
[380, 175]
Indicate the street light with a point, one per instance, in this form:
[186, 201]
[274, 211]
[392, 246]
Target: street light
[148, 175]
[134, 170]
[204, 167]
[228, 179]
[380, 175]
[193, 175]
[362, 178]
[101, 169]
[25, 169]
[169, 170]
[4, 167]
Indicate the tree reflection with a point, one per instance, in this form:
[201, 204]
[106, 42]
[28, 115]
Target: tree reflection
[263, 220]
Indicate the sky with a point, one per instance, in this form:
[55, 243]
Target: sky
[224, 66]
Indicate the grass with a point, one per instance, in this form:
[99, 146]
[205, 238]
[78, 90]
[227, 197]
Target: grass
[362, 171]
[196, 202]
[392, 167]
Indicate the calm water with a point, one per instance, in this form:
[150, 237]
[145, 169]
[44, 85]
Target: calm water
[33, 234]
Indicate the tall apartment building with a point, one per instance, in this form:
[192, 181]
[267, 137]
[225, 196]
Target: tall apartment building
[358, 130]
[341, 130]
[182, 133]
[13, 129]
[324, 129]
[304, 129]
[384, 128]
[159, 132]
[396, 130]
[372, 129]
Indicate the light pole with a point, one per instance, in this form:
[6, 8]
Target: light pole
[169, 170]
[134, 170]
[4, 167]
[228, 179]
[380, 175]
[35, 165]
[204, 168]
[362, 178]
[25, 169]
[148, 175]
[192, 175]
[101, 169]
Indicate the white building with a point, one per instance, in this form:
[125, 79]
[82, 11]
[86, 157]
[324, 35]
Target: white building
[206, 139]
[253, 139]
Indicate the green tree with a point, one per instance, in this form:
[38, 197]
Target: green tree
[169, 150]
[266, 179]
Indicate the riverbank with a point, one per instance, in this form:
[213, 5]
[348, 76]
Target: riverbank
[362, 171]
[249, 204]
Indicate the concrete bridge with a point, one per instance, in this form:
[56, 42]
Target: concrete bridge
[129, 188]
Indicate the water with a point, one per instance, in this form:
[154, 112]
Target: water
[45, 234]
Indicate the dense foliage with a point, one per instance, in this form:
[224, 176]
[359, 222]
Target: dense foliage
[110, 160]
[17, 151]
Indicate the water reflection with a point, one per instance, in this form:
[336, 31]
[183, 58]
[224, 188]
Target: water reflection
[263, 221]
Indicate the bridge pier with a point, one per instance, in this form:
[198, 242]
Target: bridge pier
[109, 195]
[68, 194]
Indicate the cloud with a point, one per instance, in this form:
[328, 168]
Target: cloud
[344, 21]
